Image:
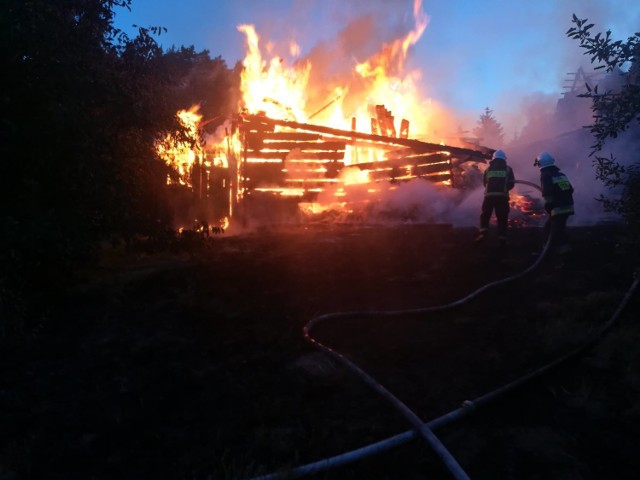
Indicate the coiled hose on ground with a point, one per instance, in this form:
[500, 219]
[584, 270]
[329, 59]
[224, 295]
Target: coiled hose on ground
[425, 429]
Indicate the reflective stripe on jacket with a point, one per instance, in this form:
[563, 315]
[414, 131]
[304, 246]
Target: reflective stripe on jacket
[567, 210]
[557, 191]
[498, 179]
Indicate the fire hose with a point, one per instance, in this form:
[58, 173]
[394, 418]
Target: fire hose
[425, 429]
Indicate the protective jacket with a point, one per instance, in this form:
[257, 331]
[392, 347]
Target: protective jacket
[557, 191]
[498, 179]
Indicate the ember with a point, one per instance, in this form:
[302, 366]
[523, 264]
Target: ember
[527, 209]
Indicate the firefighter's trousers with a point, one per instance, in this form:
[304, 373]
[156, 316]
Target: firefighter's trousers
[501, 206]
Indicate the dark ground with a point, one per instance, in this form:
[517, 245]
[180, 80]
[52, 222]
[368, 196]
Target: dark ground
[195, 367]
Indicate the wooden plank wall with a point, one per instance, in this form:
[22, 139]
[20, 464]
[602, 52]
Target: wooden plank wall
[310, 160]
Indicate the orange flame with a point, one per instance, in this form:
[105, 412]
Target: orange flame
[386, 79]
[180, 154]
[271, 87]
[281, 90]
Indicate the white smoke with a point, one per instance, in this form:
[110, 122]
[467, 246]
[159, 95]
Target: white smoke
[414, 201]
[573, 154]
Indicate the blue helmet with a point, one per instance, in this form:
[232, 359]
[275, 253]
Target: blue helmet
[499, 154]
[544, 159]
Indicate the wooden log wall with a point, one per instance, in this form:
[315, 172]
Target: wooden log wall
[309, 157]
[289, 159]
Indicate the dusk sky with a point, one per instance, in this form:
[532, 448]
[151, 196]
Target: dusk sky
[502, 54]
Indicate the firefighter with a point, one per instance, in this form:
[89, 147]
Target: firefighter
[498, 179]
[557, 193]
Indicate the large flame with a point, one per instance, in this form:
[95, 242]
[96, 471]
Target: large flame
[180, 155]
[377, 96]
[270, 86]
[387, 82]
[282, 91]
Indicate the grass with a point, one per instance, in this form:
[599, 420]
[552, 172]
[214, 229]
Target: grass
[196, 368]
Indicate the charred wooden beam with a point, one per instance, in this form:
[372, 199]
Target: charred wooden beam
[283, 136]
[315, 161]
[369, 145]
[381, 117]
[385, 121]
[308, 183]
[425, 159]
[400, 162]
[374, 127]
[322, 109]
[256, 123]
[316, 180]
[404, 128]
[305, 146]
[391, 125]
[410, 155]
[402, 152]
[393, 171]
[389, 173]
[269, 172]
[400, 177]
[328, 155]
[290, 136]
[438, 178]
[420, 170]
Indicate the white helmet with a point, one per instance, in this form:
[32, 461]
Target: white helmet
[545, 159]
[499, 154]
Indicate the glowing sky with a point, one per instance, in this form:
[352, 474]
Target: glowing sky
[473, 53]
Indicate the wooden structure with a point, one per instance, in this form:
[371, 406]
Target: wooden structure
[301, 159]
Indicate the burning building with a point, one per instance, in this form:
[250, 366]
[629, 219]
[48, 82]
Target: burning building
[371, 128]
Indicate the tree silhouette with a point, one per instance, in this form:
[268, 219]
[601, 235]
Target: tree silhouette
[489, 131]
[82, 108]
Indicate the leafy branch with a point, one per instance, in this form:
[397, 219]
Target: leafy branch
[602, 48]
[613, 113]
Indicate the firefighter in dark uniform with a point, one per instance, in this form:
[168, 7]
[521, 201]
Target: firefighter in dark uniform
[557, 193]
[498, 180]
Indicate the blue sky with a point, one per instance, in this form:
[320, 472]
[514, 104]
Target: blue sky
[504, 54]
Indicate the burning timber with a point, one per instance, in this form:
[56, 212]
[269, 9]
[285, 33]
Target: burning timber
[274, 161]
[302, 159]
